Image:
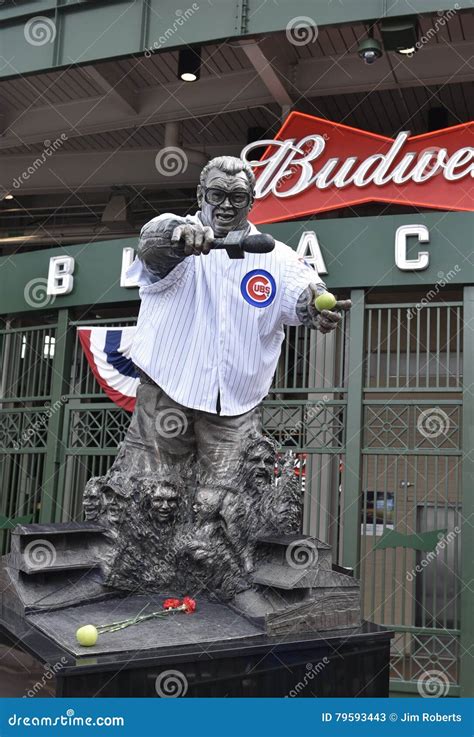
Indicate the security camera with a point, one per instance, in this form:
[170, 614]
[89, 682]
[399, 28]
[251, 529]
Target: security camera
[369, 50]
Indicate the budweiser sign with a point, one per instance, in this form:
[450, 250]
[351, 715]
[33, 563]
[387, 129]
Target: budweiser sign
[314, 165]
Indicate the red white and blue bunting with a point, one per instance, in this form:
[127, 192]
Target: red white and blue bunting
[108, 353]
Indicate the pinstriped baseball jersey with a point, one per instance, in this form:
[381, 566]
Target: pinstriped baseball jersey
[213, 326]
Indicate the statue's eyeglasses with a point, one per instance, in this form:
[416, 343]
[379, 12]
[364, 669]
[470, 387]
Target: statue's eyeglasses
[238, 199]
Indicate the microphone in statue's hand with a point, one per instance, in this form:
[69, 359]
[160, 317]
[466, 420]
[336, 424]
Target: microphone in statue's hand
[258, 243]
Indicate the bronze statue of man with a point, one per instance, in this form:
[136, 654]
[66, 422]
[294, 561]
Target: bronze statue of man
[210, 328]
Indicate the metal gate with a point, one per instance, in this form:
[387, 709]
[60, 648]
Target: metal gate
[26, 368]
[411, 485]
[373, 412]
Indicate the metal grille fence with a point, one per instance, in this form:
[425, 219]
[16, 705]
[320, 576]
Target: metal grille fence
[411, 483]
[26, 366]
[373, 412]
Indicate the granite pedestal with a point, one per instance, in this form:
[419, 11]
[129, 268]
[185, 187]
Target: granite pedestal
[217, 654]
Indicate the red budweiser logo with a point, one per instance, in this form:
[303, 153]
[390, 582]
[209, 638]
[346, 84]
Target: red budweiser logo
[314, 165]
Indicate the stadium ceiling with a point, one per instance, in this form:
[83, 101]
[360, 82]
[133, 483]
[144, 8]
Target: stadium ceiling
[89, 30]
[111, 118]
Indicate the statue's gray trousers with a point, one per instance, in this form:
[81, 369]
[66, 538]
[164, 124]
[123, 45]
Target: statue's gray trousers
[162, 432]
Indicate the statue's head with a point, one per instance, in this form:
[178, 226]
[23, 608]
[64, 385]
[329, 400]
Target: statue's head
[113, 502]
[207, 502]
[260, 462]
[92, 500]
[163, 502]
[225, 194]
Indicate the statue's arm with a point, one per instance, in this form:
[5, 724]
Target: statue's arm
[155, 249]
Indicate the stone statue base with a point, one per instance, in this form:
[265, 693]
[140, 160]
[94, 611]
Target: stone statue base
[294, 589]
[297, 609]
[240, 659]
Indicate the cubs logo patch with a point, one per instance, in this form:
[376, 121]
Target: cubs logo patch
[258, 288]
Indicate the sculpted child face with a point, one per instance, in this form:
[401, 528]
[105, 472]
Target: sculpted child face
[163, 503]
[236, 194]
[91, 503]
[207, 504]
[112, 505]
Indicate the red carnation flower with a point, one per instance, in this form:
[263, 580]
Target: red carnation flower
[171, 603]
[188, 604]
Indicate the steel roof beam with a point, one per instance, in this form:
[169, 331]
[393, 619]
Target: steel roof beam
[84, 32]
[267, 73]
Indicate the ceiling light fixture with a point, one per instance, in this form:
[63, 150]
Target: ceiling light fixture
[189, 64]
[400, 34]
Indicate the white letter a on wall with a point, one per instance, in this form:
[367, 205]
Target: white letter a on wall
[309, 249]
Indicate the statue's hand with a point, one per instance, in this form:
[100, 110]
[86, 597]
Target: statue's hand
[329, 319]
[196, 237]
[324, 321]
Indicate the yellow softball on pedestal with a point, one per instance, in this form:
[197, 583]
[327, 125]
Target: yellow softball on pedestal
[87, 635]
